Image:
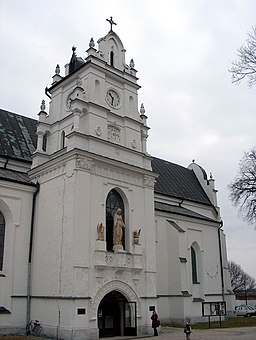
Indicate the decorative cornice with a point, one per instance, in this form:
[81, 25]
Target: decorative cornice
[149, 181]
[54, 172]
[84, 164]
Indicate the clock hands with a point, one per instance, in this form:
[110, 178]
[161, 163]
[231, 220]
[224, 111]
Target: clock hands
[112, 98]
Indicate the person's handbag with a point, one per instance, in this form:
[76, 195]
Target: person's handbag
[158, 323]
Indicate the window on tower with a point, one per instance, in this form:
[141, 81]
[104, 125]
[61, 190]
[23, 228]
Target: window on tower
[44, 142]
[63, 135]
[114, 201]
[111, 58]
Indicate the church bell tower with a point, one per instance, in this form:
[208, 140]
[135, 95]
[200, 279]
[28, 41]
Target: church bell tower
[96, 104]
[93, 169]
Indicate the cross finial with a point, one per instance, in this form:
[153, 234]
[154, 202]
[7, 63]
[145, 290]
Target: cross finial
[111, 23]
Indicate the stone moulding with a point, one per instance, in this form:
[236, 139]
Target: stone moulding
[84, 164]
[122, 260]
[108, 287]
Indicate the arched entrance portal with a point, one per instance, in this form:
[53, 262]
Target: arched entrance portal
[116, 316]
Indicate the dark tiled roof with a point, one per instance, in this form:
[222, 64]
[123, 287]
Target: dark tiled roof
[14, 176]
[176, 226]
[174, 209]
[17, 135]
[177, 181]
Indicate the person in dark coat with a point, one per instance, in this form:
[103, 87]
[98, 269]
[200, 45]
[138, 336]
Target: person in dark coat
[187, 330]
[155, 324]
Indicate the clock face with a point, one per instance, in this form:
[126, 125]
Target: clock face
[113, 98]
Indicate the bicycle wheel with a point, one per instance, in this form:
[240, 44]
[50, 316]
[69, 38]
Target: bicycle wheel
[28, 329]
[37, 330]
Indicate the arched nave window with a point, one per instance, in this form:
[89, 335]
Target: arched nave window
[114, 201]
[194, 265]
[2, 232]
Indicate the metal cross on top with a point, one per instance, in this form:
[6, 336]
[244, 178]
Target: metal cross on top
[111, 23]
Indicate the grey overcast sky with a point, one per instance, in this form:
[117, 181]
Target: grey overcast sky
[182, 50]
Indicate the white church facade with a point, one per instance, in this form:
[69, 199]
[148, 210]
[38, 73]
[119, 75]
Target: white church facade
[95, 233]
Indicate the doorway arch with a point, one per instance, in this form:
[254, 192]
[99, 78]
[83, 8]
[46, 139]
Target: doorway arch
[116, 316]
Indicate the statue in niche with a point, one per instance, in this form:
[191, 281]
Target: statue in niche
[136, 236]
[118, 230]
[100, 231]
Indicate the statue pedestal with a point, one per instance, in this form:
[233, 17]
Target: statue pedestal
[137, 249]
[100, 245]
[118, 248]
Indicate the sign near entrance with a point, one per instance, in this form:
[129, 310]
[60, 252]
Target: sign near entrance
[152, 308]
[214, 308]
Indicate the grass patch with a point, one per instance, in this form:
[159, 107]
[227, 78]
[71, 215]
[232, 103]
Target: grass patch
[229, 323]
[16, 337]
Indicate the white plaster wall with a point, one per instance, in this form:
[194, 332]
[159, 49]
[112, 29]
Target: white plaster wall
[16, 206]
[52, 249]
[175, 276]
[70, 204]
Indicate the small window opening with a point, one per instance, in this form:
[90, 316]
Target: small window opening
[111, 58]
[81, 311]
[63, 136]
[44, 142]
[194, 265]
[2, 232]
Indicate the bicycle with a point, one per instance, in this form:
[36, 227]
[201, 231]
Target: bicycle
[33, 328]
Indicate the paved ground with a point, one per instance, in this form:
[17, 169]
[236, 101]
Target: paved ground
[244, 333]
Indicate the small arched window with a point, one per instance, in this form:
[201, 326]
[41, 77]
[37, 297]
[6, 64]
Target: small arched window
[131, 103]
[194, 265]
[63, 135]
[111, 58]
[97, 89]
[2, 232]
[114, 201]
[44, 142]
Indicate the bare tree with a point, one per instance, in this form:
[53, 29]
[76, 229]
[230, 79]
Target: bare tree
[240, 280]
[245, 65]
[243, 189]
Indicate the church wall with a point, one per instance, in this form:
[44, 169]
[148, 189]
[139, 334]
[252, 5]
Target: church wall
[53, 237]
[69, 261]
[204, 210]
[167, 267]
[174, 266]
[16, 206]
[170, 272]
